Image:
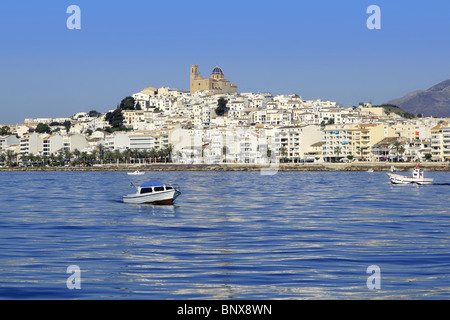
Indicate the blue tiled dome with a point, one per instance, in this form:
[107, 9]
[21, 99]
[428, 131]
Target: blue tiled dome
[217, 70]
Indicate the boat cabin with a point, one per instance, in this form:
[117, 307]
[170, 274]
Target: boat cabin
[153, 186]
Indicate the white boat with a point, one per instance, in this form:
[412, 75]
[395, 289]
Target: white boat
[153, 192]
[416, 178]
[370, 170]
[136, 173]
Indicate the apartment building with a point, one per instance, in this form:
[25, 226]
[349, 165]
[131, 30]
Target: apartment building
[362, 137]
[8, 141]
[51, 144]
[294, 142]
[336, 142]
[147, 140]
[440, 142]
[75, 141]
[30, 143]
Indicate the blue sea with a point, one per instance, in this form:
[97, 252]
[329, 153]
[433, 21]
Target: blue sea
[229, 235]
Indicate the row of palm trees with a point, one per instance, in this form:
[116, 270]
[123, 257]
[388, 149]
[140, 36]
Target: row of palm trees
[397, 146]
[100, 155]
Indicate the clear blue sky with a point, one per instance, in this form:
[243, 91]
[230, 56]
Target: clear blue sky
[318, 49]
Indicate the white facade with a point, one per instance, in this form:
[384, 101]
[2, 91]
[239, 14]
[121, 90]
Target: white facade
[30, 143]
[52, 144]
[75, 142]
[336, 142]
[8, 141]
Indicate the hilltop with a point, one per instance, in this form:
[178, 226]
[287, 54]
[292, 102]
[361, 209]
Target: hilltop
[434, 101]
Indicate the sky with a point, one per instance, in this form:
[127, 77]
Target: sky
[316, 49]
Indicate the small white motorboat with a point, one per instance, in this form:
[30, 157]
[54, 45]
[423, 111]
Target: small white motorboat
[416, 178]
[370, 170]
[136, 173]
[153, 192]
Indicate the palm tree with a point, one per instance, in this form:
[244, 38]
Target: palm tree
[52, 159]
[100, 149]
[2, 157]
[127, 155]
[169, 151]
[224, 152]
[160, 154]
[32, 159]
[60, 159]
[109, 156]
[145, 154]
[67, 156]
[397, 146]
[84, 158]
[153, 153]
[283, 151]
[38, 159]
[401, 150]
[11, 157]
[24, 158]
[135, 154]
[94, 154]
[117, 156]
[44, 159]
[76, 153]
[337, 151]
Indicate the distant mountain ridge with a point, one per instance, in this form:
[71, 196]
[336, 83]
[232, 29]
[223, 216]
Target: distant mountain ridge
[434, 101]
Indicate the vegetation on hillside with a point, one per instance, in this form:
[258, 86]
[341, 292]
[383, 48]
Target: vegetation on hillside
[221, 106]
[390, 108]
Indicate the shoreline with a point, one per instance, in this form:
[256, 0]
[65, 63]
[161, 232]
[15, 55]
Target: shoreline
[401, 166]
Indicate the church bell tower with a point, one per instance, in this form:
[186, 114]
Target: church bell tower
[194, 74]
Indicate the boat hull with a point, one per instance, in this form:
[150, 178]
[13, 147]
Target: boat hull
[399, 179]
[136, 173]
[164, 197]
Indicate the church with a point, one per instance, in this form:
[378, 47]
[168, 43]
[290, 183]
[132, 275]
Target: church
[216, 82]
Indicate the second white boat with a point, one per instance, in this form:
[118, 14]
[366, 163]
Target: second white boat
[416, 178]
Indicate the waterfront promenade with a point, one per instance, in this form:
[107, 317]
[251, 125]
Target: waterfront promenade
[355, 166]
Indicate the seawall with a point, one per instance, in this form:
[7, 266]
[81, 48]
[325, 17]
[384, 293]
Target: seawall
[358, 166]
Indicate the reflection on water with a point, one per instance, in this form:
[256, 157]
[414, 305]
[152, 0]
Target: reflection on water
[229, 235]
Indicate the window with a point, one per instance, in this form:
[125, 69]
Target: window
[159, 189]
[146, 190]
[169, 188]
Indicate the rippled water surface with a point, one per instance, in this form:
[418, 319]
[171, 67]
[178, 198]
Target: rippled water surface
[293, 235]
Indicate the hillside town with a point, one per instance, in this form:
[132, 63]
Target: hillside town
[213, 123]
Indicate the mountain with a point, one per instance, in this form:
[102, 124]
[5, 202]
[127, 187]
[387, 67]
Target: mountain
[434, 101]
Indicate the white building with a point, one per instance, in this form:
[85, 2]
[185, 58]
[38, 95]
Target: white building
[295, 142]
[8, 141]
[52, 144]
[30, 143]
[75, 141]
[440, 142]
[336, 142]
